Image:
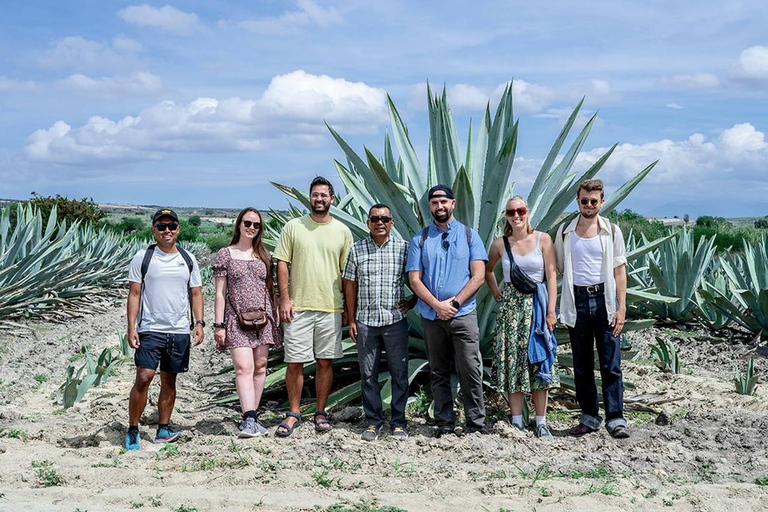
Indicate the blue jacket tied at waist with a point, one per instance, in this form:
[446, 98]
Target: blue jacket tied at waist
[542, 345]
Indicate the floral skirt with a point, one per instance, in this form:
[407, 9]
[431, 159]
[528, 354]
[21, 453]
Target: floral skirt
[512, 373]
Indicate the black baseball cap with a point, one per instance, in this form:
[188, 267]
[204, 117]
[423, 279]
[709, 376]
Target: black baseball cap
[438, 188]
[165, 212]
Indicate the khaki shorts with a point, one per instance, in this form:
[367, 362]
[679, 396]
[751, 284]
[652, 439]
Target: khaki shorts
[312, 335]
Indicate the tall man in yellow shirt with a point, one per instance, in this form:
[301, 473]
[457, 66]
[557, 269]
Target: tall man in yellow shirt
[311, 301]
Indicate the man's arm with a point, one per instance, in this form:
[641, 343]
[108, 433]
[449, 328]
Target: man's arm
[443, 309]
[350, 303]
[620, 275]
[476, 278]
[134, 298]
[197, 312]
[283, 281]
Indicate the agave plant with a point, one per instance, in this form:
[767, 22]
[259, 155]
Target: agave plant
[745, 384]
[747, 303]
[48, 266]
[478, 170]
[666, 356]
[677, 270]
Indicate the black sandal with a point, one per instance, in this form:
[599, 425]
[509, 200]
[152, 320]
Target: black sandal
[323, 425]
[288, 429]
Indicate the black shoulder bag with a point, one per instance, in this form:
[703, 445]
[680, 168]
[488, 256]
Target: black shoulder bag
[519, 279]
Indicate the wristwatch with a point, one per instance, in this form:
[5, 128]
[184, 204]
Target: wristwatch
[455, 304]
[219, 325]
[199, 322]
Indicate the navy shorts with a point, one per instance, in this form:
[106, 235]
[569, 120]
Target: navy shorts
[170, 351]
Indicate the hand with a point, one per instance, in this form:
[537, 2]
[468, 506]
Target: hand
[406, 305]
[133, 338]
[220, 335]
[444, 309]
[551, 321]
[353, 330]
[618, 321]
[286, 310]
[198, 334]
[497, 296]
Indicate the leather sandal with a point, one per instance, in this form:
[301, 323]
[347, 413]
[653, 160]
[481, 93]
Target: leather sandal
[580, 430]
[322, 425]
[620, 432]
[288, 429]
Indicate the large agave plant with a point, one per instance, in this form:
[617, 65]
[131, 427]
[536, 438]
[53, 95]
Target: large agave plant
[49, 266]
[479, 171]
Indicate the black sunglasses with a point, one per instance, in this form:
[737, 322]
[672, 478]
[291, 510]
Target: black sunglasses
[248, 223]
[586, 201]
[162, 226]
[374, 219]
[446, 243]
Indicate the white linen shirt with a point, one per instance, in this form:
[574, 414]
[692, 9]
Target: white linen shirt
[614, 255]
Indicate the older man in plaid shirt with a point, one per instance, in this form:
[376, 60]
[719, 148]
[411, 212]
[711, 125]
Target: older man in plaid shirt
[374, 276]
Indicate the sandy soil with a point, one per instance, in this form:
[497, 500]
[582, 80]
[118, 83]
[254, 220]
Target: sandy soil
[706, 457]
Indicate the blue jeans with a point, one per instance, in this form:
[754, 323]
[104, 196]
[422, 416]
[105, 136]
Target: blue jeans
[394, 339]
[593, 329]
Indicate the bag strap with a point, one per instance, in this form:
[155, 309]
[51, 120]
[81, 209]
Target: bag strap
[145, 267]
[512, 262]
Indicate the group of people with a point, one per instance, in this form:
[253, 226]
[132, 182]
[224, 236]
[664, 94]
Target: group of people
[326, 280]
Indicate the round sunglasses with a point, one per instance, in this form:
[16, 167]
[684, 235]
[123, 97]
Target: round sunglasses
[248, 223]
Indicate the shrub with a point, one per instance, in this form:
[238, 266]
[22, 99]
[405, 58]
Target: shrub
[71, 210]
[130, 224]
[761, 223]
[630, 221]
[188, 233]
[195, 220]
[218, 241]
[707, 221]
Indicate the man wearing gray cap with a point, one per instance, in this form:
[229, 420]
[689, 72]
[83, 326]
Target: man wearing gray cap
[446, 267]
[164, 285]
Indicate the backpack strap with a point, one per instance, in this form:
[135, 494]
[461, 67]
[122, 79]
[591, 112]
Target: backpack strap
[424, 233]
[144, 267]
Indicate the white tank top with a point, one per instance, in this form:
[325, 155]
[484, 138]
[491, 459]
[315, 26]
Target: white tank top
[532, 263]
[587, 258]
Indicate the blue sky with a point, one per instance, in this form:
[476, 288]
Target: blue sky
[203, 103]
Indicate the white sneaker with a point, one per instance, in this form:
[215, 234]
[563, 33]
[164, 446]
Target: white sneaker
[252, 428]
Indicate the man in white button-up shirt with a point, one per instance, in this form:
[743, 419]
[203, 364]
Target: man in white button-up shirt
[591, 256]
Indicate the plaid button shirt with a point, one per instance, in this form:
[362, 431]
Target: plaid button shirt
[380, 276]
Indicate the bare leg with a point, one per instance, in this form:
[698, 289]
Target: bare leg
[138, 397]
[242, 359]
[294, 381]
[515, 403]
[167, 397]
[540, 398]
[323, 382]
[260, 355]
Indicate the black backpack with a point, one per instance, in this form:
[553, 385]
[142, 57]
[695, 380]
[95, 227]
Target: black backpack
[145, 266]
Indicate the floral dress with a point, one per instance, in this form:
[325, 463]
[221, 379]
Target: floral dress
[512, 372]
[246, 290]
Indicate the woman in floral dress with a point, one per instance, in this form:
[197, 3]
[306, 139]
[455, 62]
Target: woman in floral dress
[513, 373]
[243, 276]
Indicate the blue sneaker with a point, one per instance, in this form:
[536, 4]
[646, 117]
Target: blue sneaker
[166, 435]
[132, 441]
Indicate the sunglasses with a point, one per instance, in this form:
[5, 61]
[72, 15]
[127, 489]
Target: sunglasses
[511, 212]
[162, 226]
[586, 201]
[248, 223]
[446, 243]
[374, 219]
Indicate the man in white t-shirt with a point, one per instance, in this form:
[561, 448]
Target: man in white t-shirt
[591, 256]
[164, 281]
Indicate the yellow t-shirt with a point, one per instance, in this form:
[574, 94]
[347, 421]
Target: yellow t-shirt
[317, 253]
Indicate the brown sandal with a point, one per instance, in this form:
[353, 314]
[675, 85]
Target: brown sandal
[580, 430]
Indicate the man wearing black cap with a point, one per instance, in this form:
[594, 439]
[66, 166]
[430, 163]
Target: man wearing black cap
[164, 283]
[446, 266]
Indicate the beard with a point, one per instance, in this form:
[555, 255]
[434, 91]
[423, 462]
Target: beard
[442, 217]
[320, 207]
[589, 215]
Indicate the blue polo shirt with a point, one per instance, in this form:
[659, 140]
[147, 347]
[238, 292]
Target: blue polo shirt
[445, 271]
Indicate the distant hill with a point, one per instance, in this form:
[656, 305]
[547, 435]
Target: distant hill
[715, 209]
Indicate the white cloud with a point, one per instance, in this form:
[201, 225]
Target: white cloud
[309, 13]
[690, 81]
[674, 106]
[691, 167]
[292, 108]
[13, 85]
[752, 64]
[85, 56]
[137, 84]
[166, 18]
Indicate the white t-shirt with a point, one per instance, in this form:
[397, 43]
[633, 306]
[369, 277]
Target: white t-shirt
[165, 302]
[587, 257]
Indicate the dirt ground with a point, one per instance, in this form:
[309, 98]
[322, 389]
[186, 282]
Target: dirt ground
[708, 451]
